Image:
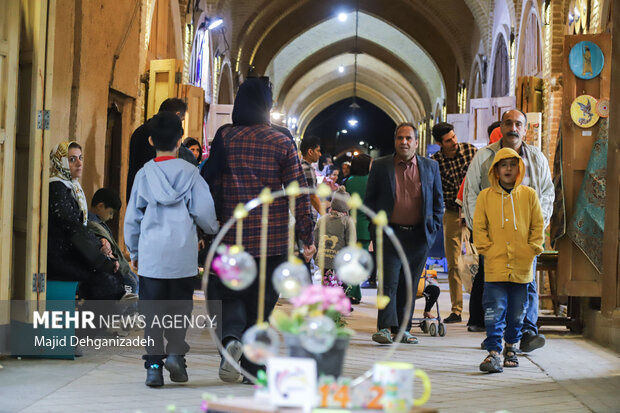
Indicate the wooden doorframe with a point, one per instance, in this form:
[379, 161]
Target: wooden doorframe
[33, 259]
[9, 49]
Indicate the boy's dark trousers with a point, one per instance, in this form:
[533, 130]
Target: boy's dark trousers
[161, 297]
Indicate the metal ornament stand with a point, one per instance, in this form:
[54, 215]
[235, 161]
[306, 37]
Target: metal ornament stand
[265, 199]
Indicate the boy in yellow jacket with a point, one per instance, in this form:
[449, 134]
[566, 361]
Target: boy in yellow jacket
[508, 231]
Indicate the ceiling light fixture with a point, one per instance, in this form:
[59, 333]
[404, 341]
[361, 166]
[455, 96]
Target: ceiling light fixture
[353, 121]
[214, 22]
[341, 69]
[342, 17]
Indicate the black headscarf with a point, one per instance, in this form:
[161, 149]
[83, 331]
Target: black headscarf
[253, 103]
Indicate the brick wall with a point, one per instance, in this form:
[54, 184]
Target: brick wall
[552, 73]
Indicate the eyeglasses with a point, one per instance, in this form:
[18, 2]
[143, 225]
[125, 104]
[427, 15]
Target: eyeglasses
[73, 159]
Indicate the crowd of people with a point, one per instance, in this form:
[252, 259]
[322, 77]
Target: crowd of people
[502, 193]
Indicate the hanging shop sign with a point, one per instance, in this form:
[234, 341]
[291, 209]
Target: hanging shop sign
[586, 60]
[602, 108]
[583, 111]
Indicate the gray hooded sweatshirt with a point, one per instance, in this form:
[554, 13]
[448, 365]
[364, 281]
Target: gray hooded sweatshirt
[168, 200]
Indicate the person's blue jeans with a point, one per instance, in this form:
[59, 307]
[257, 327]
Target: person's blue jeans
[504, 310]
[531, 313]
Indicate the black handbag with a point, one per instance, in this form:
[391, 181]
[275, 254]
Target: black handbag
[89, 246]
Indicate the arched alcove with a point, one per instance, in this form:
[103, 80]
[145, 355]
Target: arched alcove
[500, 85]
[225, 94]
[530, 43]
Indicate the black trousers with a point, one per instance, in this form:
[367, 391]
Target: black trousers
[240, 308]
[159, 298]
[476, 311]
[394, 285]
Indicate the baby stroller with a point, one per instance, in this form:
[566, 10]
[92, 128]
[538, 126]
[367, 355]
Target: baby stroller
[429, 289]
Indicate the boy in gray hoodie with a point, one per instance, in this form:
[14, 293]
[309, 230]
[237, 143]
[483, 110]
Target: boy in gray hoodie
[168, 199]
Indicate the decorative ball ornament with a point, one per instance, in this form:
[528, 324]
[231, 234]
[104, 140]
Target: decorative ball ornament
[290, 278]
[235, 267]
[260, 342]
[353, 265]
[317, 334]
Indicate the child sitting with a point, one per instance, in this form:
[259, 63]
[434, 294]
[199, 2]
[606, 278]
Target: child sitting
[168, 200]
[338, 228]
[431, 293]
[508, 231]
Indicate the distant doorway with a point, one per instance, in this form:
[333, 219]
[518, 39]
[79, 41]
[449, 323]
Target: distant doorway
[117, 104]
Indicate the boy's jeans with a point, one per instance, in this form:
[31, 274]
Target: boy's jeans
[504, 309]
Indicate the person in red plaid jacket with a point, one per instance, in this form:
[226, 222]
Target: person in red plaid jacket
[256, 156]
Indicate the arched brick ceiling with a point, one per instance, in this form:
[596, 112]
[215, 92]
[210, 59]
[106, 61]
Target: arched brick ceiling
[370, 29]
[332, 95]
[344, 46]
[372, 74]
[442, 31]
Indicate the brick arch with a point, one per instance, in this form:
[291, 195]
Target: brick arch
[364, 46]
[263, 40]
[388, 92]
[331, 96]
[480, 10]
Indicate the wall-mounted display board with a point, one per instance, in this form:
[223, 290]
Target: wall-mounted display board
[576, 275]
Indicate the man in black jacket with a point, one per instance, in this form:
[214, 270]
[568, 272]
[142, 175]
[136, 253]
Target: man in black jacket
[141, 151]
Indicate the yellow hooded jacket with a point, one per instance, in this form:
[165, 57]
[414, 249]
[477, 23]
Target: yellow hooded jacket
[508, 227]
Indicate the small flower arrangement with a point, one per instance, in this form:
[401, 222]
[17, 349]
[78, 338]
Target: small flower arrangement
[315, 301]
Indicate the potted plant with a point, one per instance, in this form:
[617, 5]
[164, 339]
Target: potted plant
[314, 302]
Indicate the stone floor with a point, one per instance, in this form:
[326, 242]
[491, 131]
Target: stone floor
[570, 374]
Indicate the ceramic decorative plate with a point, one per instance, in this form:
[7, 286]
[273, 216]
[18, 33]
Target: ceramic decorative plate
[586, 60]
[602, 108]
[583, 111]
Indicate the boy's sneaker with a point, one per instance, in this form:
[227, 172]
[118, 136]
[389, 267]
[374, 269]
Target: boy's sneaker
[154, 375]
[175, 364]
[531, 341]
[453, 318]
[228, 372]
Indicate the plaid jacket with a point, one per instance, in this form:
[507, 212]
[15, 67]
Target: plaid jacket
[453, 172]
[258, 156]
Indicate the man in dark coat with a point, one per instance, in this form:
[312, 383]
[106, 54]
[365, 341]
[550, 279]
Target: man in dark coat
[408, 188]
[141, 151]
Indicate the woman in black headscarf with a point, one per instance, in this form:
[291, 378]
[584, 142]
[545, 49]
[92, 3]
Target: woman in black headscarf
[74, 253]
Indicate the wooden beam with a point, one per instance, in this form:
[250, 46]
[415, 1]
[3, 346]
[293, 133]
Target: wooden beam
[610, 299]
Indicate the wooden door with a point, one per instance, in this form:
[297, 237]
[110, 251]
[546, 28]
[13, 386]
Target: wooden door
[31, 169]
[9, 54]
[480, 117]
[529, 94]
[194, 117]
[577, 277]
[164, 82]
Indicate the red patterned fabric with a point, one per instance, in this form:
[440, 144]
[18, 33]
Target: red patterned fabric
[256, 157]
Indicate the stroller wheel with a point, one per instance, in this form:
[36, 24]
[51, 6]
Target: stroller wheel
[424, 326]
[432, 329]
[441, 329]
